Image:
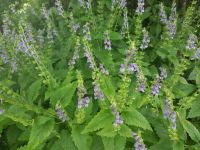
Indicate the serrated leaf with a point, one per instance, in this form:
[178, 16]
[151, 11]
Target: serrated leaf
[178, 145]
[82, 141]
[190, 129]
[40, 132]
[108, 131]
[133, 117]
[120, 142]
[101, 120]
[33, 90]
[64, 142]
[64, 94]
[125, 131]
[108, 143]
[107, 87]
[195, 111]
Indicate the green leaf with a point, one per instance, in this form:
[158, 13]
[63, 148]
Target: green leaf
[108, 143]
[33, 90]
[101, 120]
[195, 111]
[120, 142]
[115, 143]
[115, 36]
[40, 132]
[107, 87]
[64, 142]
[133, 117]
[82, 141]
[178, 145]
[63, 94]
[108, 131]
[125, 131]
[190, 129]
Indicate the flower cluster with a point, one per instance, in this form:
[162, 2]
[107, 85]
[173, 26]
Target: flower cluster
[1, 111]
[88, 4]
[86, 32]
[103, 70]
[76, 54]
[125, 23]
[4, 57]
[140, 7]
[197, 54]
[191, 42]
[44, 12]
[98, 94]
[60, 113]
[156, 87]
[83, 100]
[118, 120]
[173, 120]
[81, 2]
[171, 24]
[107, 42]
[89, 57]
[122, 4]
[146, 39]
[167, 109]
[163, 16]
[141, 87]
[6, 25]
[139, 144]
[59, 7]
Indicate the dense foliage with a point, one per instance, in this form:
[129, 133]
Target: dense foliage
[95, 75]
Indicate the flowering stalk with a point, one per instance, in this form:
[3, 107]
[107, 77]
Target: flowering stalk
[140, 7]
[59, 7]
[139, 144]
[157, 85]
[191, 42]
[107, 42]
[72, 62]
[118, 120]
[145, 40]
[60, 113]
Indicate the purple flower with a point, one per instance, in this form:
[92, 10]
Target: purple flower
[140, 7]
[44, 12]
[146, 39]
[98, 94]
[173, 120]
[155, 89]
[4, 57]
[86, 101]
[59, 7]
[61, 114]
[163, 16]
[122, 68]
[80, 103]
[125, 23]
[103, 70]
[122, 4]
[81, 3]
[75, 27]
[76, 54]
[197, 54]
[118, 120]
[141, 87]
[1, 111]
[88, 4]
[171, 23]
[107, 42]
[167, 110]
[191, 42]
[86, 32]
[139, 145]
[134, 68]
[89, 58]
